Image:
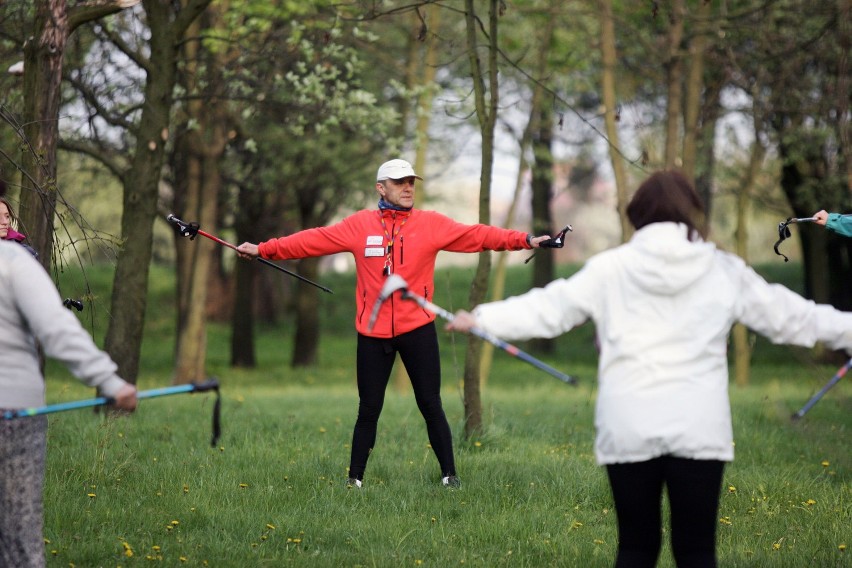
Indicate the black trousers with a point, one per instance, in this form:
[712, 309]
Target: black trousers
[418, 350]
[693, 488]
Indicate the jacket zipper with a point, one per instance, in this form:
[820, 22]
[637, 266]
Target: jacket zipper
[393, 306]
[426, 295]
[401, 251]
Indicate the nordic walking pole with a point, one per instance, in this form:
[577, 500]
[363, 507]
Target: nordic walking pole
[208, 385]
[815, 398]
[191, 229]
[395, 282]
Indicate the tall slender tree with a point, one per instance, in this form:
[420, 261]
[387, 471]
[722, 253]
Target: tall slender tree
[43, 58]
[167, 23]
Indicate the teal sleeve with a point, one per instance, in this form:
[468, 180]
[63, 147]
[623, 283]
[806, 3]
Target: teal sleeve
[840, 224]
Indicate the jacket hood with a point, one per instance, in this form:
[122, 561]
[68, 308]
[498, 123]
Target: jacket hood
[662, 259]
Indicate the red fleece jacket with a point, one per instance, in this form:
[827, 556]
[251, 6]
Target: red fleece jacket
[422, 234]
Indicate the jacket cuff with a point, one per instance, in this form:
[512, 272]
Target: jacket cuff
[529, 241]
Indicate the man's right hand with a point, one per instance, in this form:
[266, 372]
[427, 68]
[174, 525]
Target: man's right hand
[248, 250]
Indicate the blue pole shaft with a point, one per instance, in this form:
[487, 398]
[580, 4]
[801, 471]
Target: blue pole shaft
[63, 406]
[815, 398]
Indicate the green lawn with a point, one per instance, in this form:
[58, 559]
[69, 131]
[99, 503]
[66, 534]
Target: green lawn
[149, 490]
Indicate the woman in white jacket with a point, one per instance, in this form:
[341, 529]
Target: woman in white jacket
[31, 312]
[663, 305]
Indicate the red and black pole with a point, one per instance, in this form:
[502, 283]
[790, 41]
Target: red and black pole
[192, 229]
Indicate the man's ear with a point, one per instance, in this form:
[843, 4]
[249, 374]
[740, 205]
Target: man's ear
[380, 188]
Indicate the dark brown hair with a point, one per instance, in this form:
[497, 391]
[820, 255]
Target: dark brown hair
[668, 196]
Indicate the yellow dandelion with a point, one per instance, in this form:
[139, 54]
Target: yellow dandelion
[221, 448]
[323, 430]
[418, 562]
[732, 489]
[175, 523]
[825, 463]
[243, 485]
[155, 548]
[270, 526]
[46, 541]
[810, 502]
[478, 444]
[576, 525]
[598, 541]
[776, 546]
[91, 495]
[54, 552]
[182, 559]
[297, 540]
[186, 488]
[841, 547]
[725, 520]
[434, 520]
[263, 537]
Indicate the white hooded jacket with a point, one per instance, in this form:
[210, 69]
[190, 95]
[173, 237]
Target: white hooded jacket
[663, 307]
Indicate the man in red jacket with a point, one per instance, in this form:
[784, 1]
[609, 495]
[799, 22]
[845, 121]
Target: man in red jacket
[395, 239]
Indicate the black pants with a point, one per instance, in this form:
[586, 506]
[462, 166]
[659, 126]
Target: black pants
[418, 350]
[693, 488]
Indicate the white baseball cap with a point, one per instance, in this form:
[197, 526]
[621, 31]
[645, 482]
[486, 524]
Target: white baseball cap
[395, 169]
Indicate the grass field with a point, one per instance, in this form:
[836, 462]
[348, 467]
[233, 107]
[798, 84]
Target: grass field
[150, 490]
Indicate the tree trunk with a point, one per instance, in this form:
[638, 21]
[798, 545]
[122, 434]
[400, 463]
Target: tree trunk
[742, 342]
[205, 149]
[499, 277]
[245, 277]
[42, 78]
[306, 341]
[43, 53]
[486, 113]
[542, 222]
[616, 158]
[674, 81]
[130, 284]
[242, 319]
[695, 88]
[707, 145]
